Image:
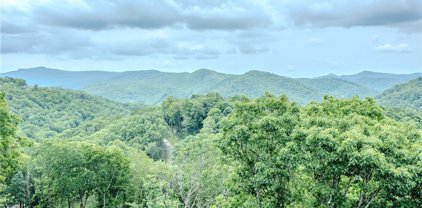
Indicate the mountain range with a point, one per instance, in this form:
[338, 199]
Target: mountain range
[152, 87]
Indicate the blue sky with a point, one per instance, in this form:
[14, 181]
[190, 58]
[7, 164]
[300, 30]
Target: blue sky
[296, 38]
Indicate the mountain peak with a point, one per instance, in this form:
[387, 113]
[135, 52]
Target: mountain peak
[38, 68]
[331, 75]
[203, 71]
[252, 72]
[368, 72]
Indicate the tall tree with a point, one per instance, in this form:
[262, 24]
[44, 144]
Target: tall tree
[199, 174]
[258, 135]
[356, 154]
[16, 189]
[111, 176]
[10, 144]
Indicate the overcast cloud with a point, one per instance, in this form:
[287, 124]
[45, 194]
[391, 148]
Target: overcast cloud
[267, 35]
[357, 13]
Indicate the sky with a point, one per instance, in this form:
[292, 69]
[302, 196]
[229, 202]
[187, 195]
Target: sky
[296, 38]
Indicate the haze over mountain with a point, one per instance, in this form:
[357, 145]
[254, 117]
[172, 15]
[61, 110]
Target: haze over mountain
[152, 87]
[48, 77]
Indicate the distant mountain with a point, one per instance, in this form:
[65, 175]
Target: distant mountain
[58, 78]
[404, 96]
[379, 81]
[152, 87]
[332, 85]
[256, 83]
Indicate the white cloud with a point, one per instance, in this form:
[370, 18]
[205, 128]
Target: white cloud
[392, 48]
[314, 40]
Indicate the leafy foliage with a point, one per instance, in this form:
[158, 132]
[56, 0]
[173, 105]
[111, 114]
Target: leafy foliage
[10, 143]
[258, 134]
[72, 171]
[199, 176]
[186, 116]
[144, 130]
[355, 154]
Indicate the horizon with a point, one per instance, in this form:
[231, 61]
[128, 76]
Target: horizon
[288, 38]
[195, 70]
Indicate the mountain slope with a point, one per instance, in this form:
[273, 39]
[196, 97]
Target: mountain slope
[152, 87]
[256, 83]
[404, 96]
[46, 112]
[329, 85]
[379, 81]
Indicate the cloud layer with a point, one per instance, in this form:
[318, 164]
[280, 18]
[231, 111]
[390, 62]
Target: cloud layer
[187, 28]
[357, 13]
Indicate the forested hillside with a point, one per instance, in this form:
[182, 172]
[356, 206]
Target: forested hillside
[204, 151]
[256, 83]
[404, 96]
[152, 87]
[46, 112]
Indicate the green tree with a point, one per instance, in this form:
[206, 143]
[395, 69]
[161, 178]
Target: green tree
[16, 189]
[186, 116]
[199, 174]
[111, 175]
[10, 144]
[149, 180]
[258, 135]
[357, 157]
[74, 171]
[144, 130]
[64, 174]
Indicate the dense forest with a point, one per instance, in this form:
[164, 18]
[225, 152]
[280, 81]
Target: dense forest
[67, 148]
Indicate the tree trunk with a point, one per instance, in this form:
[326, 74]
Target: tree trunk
[27, 187]
[104, 200]
[81, 200]
[86, 199]
[69, 203]
[259, 198]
